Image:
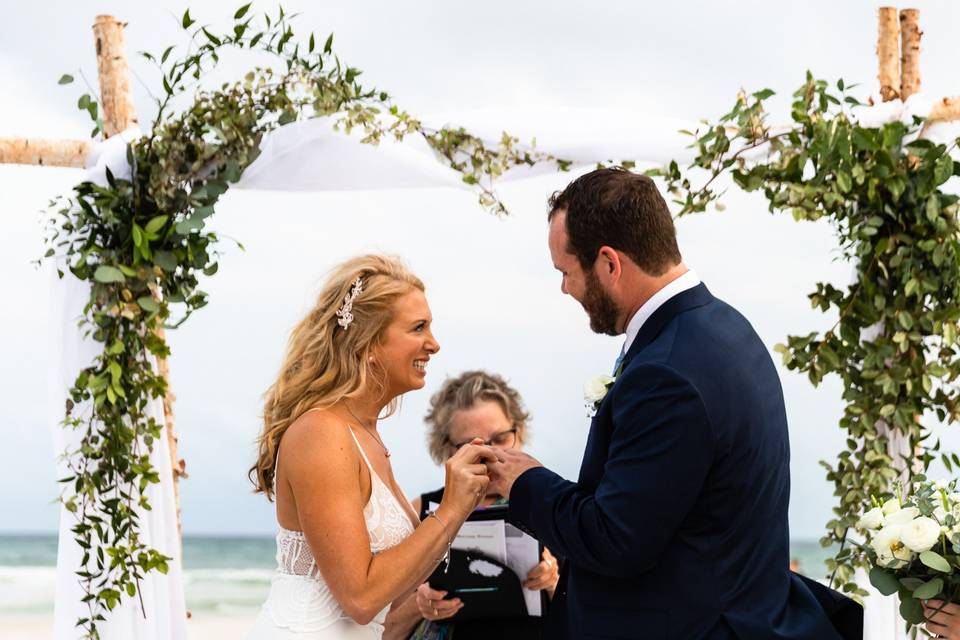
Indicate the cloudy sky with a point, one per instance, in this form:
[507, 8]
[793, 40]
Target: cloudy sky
[494, 294]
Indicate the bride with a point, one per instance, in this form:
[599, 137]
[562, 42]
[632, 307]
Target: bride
[349, 543]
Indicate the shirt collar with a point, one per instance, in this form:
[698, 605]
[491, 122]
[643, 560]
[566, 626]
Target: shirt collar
[687, 281]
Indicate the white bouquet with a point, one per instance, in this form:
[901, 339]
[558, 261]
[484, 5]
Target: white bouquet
[913, 545]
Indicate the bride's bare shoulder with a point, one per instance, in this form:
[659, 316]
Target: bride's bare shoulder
[317, 433]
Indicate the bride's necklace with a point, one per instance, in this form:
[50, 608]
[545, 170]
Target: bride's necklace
[372, 432]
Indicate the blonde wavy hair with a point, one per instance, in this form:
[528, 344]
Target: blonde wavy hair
[326, 363]
[463, 392]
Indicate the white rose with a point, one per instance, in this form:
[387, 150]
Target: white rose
[889, 548]
[596, 388]
[921, 534]
[903, 516]
[872, 519]
[891, 506]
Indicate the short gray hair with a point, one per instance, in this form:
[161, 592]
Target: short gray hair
[463, 392]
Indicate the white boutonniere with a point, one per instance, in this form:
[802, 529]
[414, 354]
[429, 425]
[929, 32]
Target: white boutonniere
[594, 391]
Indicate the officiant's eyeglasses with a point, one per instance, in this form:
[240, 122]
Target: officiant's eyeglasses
[505, 439]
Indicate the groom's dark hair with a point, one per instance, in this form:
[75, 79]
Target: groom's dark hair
[620, 209]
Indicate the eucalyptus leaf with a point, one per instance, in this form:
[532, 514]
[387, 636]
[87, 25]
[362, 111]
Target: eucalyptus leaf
[929, 589]
[884, 581]
[107, 274]
[935, 561]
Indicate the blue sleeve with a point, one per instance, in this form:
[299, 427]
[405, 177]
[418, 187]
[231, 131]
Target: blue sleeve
[660, 453]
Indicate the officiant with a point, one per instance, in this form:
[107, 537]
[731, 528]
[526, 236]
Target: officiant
[482, 405]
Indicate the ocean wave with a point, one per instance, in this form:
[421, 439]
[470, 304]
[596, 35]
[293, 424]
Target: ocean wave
[30, 589]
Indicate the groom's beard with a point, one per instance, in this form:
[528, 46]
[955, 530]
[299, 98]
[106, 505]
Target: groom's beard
[600, 307]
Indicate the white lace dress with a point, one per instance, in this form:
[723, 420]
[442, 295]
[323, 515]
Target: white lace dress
[300, 605]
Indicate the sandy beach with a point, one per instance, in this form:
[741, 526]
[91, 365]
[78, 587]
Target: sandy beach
[202, 625]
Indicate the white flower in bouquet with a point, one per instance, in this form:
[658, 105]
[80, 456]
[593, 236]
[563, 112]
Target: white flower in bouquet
[940, 514]
[889, 548]
[921, 534]
[891, 506]
[903, 516]
[872, 519]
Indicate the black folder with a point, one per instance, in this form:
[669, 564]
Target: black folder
[485, 597]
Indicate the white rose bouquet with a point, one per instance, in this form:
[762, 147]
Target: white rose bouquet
[912, 544]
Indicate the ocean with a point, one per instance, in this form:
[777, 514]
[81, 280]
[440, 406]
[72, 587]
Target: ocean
[222, 574]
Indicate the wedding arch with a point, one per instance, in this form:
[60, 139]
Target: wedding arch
[132, 237]
[877, 174]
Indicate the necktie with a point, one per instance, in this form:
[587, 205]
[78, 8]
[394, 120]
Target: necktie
[616, 365]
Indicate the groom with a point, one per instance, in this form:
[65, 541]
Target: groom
[677, 524]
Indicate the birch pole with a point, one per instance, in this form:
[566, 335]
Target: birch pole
[909, 52]
[44, 152]
[116, 102]
[888, 53]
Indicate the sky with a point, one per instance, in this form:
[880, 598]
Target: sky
[495, 296]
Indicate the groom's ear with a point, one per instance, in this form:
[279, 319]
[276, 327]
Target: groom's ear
[608, 263]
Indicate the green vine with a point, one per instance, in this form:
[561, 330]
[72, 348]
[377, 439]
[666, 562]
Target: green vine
[894, 341]
[142, 245]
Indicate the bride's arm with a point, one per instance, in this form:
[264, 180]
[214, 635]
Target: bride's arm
[323, 473]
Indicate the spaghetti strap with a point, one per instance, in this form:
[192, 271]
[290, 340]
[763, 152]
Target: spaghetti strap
[362, 453]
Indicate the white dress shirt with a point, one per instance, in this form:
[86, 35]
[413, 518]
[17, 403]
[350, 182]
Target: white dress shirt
[687, 281]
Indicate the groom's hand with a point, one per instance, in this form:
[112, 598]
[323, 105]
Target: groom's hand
[509, 466]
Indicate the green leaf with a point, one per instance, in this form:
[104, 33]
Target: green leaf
[212, 38]
[65, 79]
[165, 260]
[844, 182]
[313, 44]
[911, 610]
[190, 224]
[148, 304]
[156, 223]
[935, 561]
[928, 589]
[187, 20]
[933, 207]
[242, 11]
[943, 169]
[105, 273]
[166, 54]
[328, 45]
[884, 581]
[137, 235]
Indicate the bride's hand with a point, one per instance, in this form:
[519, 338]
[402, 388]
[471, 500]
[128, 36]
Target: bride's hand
[467, 479]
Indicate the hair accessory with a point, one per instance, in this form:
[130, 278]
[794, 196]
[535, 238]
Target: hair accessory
[344, 315]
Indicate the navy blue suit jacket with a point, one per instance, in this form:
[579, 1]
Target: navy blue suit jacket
[677, 524]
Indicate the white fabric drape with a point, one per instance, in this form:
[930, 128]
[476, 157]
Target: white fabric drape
[163, 615]
[310, 155]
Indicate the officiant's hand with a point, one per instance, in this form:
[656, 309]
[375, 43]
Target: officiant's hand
[545, 575]
[434, 605]
[509, 465]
